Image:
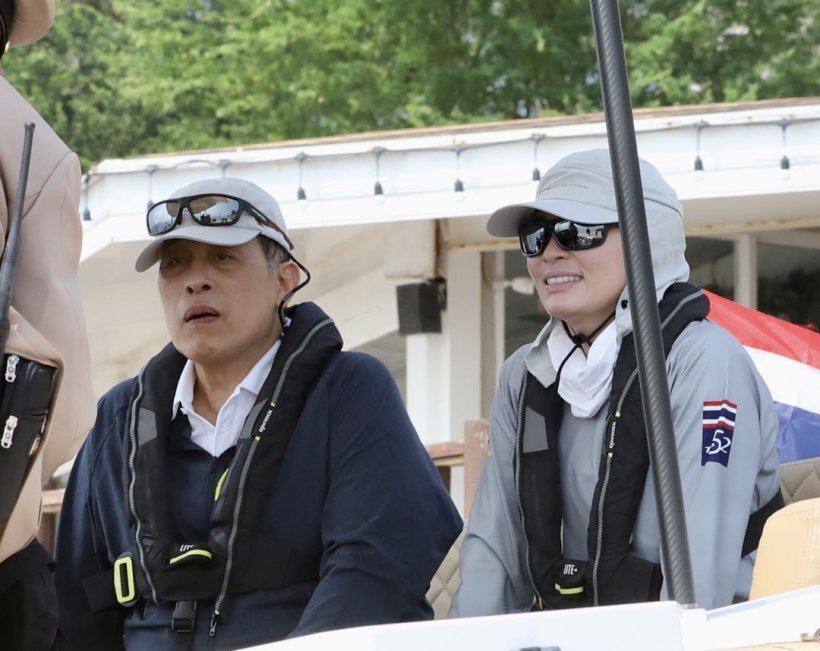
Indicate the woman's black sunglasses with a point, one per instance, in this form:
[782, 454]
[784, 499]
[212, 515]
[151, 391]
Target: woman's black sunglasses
[534, 235]
[206, 210]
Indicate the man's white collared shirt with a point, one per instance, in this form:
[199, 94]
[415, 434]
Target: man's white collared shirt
[222, 436]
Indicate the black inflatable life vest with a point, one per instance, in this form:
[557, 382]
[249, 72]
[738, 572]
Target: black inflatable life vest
[612, 574]
[236, 558]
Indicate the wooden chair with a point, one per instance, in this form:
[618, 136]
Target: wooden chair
[788, 557]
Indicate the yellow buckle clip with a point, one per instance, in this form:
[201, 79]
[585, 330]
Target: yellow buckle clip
[125, 588]
[569, 591]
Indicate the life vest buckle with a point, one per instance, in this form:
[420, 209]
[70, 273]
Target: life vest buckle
[184, 617]
[125, 586]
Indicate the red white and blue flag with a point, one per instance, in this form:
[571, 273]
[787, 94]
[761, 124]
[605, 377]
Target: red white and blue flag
[788, 358]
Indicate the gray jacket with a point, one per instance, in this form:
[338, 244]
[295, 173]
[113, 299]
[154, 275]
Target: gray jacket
[705, 365]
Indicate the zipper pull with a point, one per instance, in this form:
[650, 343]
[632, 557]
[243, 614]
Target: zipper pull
[11, 368]
[8, 432]
[214, 621]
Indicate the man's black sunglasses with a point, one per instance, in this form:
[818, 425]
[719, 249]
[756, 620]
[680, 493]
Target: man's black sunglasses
[206, 210]
[534, 235]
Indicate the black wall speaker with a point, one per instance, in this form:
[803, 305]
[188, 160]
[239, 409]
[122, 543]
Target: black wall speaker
[420, 306]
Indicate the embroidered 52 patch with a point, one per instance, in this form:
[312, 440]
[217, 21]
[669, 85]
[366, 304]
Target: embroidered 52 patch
[718, 430]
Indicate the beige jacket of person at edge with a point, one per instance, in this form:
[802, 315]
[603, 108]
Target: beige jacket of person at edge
[46, 315]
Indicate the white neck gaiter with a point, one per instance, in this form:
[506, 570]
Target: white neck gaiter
[585, 381]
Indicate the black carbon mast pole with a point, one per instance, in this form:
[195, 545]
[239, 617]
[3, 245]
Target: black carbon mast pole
[9, 262]
[623, 151]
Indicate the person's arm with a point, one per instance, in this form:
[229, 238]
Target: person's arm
[726, 472]
[46, 315]
[388, 521]
[81, 549]
[494, 574]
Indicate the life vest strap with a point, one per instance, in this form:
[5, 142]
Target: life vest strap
[756, 521]
[99, 591]
[273, 566]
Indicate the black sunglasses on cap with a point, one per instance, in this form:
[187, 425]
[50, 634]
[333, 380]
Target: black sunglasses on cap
[534, 235]
[205, 210]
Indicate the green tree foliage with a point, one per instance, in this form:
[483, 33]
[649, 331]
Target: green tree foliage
[117, 78]
[707, 51]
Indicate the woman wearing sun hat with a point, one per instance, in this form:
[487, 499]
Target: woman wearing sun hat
[565, 513]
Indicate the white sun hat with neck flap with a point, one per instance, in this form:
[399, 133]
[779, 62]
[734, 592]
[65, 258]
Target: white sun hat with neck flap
[580, 188]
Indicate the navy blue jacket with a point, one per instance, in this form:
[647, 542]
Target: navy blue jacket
[355, 482]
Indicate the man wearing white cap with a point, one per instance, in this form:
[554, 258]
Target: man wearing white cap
[47, 335]
[253, 482]
[565, 512]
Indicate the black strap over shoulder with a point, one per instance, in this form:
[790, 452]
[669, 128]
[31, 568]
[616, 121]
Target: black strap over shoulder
[538, 474]
[618, 576]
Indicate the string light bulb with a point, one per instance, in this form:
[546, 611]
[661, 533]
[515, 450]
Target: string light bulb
[698, 160]
[378, 190]
[301, 195]
[458, 186]
[785, 163]
[536, 173]
[151, 169]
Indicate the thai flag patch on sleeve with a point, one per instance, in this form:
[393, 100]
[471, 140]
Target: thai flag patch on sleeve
[718, 430]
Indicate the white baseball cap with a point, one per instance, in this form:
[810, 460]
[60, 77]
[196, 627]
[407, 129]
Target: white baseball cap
[244, 230]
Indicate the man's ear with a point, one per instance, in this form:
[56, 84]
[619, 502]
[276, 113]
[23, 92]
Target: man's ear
[288, 276]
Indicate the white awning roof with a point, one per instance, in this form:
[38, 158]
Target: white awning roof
[741, 187]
